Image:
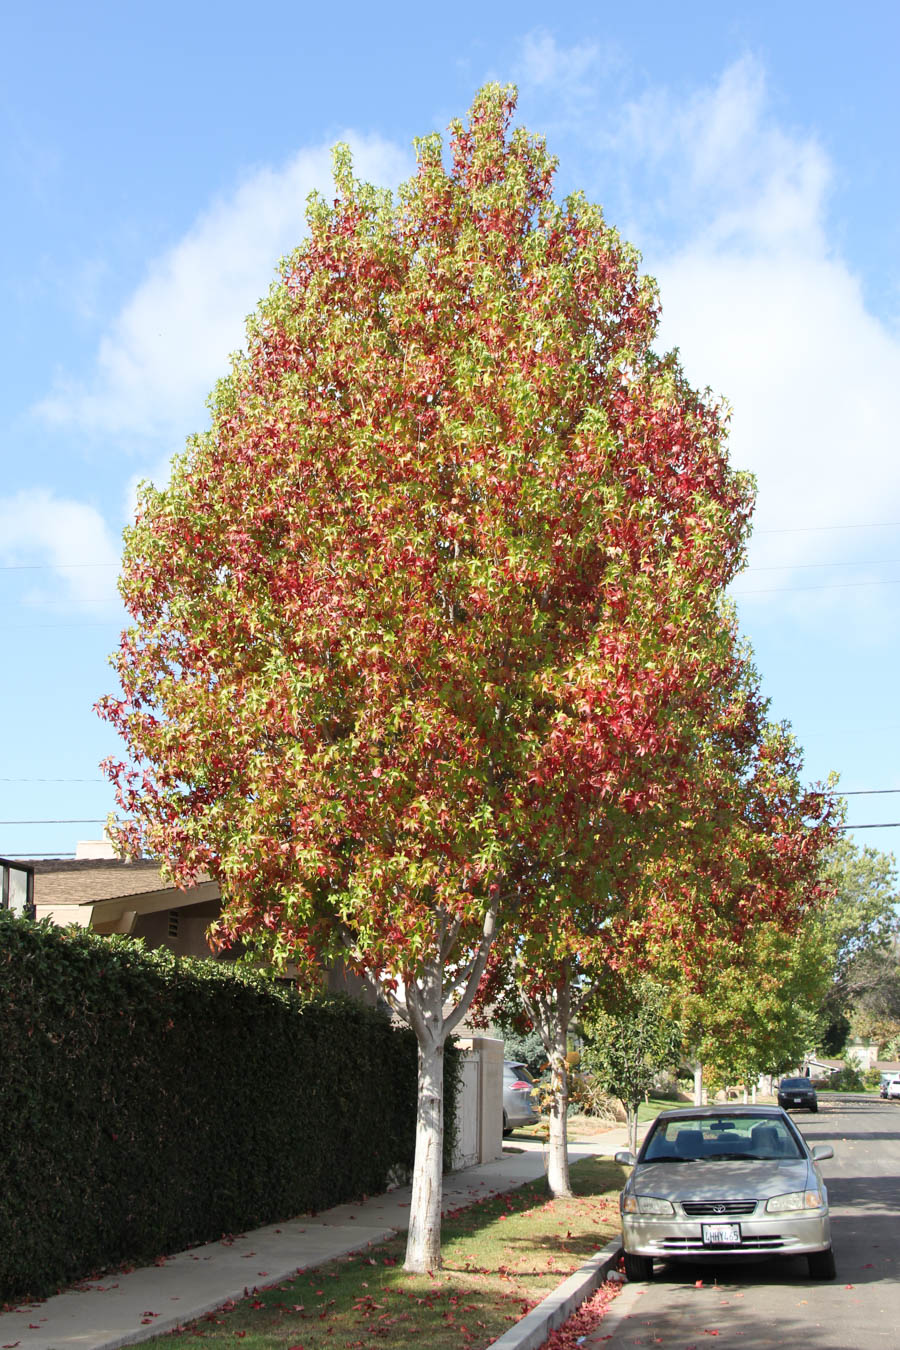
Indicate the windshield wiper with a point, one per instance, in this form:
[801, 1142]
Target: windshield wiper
[678, 1159]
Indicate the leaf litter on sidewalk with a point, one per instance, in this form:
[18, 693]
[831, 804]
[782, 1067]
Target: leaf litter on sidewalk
[502, 1256]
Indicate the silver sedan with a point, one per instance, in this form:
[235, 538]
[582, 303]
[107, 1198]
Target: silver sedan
[715, 1182]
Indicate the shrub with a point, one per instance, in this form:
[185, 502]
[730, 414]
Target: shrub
[847, 1079]
[527, 1048]
[149, 1103]
[586, 1096]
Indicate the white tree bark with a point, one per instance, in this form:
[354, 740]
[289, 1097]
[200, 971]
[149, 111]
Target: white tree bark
[550, 1015]
[698, 1083]
[423, 1243]
[425, 1009]
[631, 1115]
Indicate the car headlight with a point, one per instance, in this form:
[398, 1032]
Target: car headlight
[779, 1204]
[646, 1204]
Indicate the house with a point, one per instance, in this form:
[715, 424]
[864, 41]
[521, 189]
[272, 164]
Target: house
[109, 895]
[98, 891]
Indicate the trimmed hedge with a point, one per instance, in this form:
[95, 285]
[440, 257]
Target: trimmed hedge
[149, 1103]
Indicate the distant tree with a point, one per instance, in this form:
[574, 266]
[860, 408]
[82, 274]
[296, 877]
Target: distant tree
[758, 1011]
[527, 1047]
[628, 1048]
[862, 929]
[433, 591]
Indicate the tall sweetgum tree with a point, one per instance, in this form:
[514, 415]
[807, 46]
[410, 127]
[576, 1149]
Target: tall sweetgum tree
[429, 589]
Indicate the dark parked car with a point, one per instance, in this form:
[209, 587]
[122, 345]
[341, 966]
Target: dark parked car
[518, 1102]
[797, 1092]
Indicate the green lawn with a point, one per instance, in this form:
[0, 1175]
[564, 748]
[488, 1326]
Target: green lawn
[501, 1257]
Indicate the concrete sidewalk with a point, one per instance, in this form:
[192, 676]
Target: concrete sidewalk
[124, 1308]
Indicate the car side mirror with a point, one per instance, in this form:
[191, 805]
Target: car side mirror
[822, 1151]
[625, 1157]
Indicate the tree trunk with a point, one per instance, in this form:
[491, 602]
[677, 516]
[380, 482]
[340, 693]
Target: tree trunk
[558, 1178]
[423, 1243]
[698, 1083]
[425, 1010]
[631, 1118]
[550, 1015]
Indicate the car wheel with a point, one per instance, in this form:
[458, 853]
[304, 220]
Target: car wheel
[638, 1269]
[821, 1265]
[814, 1109]
[507, 1128]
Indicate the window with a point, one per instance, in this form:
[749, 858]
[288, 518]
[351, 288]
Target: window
[17, 888]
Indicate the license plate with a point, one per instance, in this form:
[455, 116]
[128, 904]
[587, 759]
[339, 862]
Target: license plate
[720, 1234]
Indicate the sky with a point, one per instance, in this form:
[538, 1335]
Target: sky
[156, 161]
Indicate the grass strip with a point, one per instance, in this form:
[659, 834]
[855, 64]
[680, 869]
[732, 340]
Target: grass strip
[501, 1257]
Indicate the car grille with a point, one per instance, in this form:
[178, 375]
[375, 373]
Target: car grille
[771, 1242]
[718, 1208]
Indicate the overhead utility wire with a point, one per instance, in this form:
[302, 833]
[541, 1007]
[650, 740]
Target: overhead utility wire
[54, 822]
[52, 780]
[61, 856]
[829, 586]
[810, 529]
[888, 825]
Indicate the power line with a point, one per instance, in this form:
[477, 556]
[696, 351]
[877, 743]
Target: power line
[847, 562]
[50, 567]
[39, 855]
[36, 627]
[54, 822]
[830, 586]
[809, 529]
[888, 825]
[52, 780]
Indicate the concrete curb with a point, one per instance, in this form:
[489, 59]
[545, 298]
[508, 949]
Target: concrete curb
[534, 1329]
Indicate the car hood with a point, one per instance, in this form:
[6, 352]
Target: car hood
[723, 1180]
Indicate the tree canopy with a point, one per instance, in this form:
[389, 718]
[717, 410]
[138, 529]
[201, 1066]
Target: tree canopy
[430, 603]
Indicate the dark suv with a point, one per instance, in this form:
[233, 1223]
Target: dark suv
[797, 1092]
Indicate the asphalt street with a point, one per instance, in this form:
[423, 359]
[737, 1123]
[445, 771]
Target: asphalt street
[775, 1303]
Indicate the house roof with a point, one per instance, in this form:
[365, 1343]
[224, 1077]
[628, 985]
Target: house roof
[66, 881]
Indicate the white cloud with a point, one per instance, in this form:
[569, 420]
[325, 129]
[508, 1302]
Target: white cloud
[171, 341]
[766, 313]
[722, 168]
[42, 533]
[730, 208]
[543, 62]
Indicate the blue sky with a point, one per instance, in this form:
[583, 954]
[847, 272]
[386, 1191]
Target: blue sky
[156, 161]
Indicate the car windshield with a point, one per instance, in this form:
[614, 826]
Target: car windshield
[796, 1083]
[720, 1138]
[514, 1071]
